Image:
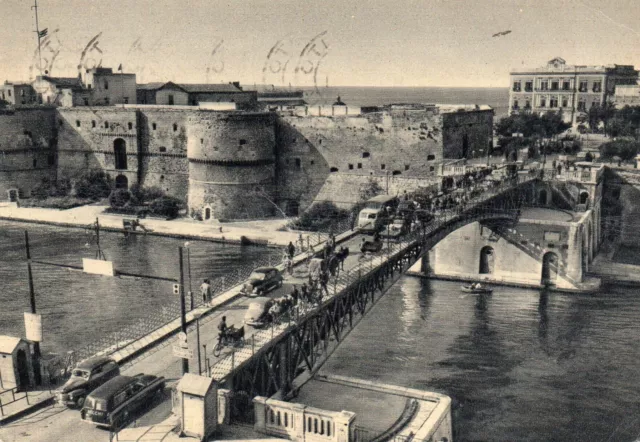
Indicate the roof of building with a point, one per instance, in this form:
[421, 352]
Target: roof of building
[150, 86]
[8, 344]
[64, 82]
[193, 88]
[194, 384]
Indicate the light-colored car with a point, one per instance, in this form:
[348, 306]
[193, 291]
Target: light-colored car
[257, 313]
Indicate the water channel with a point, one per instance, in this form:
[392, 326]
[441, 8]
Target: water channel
[78, 308]
[520, 365]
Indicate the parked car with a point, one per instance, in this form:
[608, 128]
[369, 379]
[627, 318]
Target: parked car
[257, 313]
[261, 281]
[86, 377]
[112, 404]
[398, 227]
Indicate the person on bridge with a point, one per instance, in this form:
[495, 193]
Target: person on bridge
[295, 294]
[291, 250]
[205, 290]
[222, 329]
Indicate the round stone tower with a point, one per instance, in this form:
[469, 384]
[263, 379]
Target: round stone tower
[231, 164]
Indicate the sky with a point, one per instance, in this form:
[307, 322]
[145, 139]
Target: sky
[406, 43]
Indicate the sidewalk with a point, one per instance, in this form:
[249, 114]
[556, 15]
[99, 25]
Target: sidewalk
[266, 232]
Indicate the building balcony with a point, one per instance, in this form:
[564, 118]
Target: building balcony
[528, 89]
[516, 89]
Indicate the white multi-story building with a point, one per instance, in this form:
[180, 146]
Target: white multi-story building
[570, 88]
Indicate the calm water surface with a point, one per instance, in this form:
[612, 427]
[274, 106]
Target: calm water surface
[520, 365]
[78, 308]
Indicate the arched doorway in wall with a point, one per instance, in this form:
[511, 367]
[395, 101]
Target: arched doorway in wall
[207, 213]
[122, 182]
[120, 153]
[465, 146]
[584, 197]
[23, 369]
[549, 268]
[542, 197]
[486, 260]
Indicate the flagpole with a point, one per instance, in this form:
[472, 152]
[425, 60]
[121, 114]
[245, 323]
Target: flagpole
[35, 6]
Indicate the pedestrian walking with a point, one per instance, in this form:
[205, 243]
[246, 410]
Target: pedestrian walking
[205, 291]
[291, 250]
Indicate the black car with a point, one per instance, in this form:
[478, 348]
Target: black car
[261, 281]
[116, 401]
[86, 377]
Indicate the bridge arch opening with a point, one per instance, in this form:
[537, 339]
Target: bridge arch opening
[122, 182]
[549, 268]
[120, 153]
[487, 258]
[584, 197]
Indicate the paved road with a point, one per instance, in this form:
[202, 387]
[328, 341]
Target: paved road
[55, 424]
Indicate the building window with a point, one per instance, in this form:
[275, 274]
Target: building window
[22, 92]
[527, 104]
[312, 162]
[350, 166]
[126, 100]
[106, 85]
[544, 85]
[130, 125]
[359, 165]
[106, 125]
[366, 154]
[35, 163]
[565, 102]
[515, 104]
[171, 102]
[333, 169]
[242, 142]
[77, 123]
[201, 140]
[9, 91]
[555, 85]
[383, 166]
[566, 85]
[597, 86]
[553, 102]
[431, 157]
[162, 149]
[153, 125]
[86, 101]
[175, 127]
[93, 123]
[516, 86]
[406, 167]
[51, 159]
[298, 163]
[528, 86]
[582, 105]
[543, 102]
[583, 86]
[432, 168]
[106, 100]
[594, 103]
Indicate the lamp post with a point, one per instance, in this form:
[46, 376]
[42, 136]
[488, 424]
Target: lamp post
[183, 316]
[186, 246]
[197, 315]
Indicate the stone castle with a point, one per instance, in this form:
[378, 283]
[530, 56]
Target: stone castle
[240, 164]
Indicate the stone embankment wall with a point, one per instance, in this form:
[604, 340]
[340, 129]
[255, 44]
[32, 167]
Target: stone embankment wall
[623, 186]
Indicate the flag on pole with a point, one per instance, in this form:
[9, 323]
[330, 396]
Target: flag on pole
[43, 33]
[120, 67]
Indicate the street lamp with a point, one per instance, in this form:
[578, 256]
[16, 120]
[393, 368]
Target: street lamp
[186, 246]
[197, 315]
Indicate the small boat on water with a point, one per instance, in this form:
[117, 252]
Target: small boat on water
[477, 290]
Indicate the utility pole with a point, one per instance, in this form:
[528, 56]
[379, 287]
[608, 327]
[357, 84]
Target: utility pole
[183, 313]
[35, 7]
[32, 301]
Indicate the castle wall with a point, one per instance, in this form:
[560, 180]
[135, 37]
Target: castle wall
[231, 164]
[27, 149]
[467, 134]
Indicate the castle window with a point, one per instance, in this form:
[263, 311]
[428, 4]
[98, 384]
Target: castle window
[293, 141]
[406, 167]
[35, 162]
[153, 126]
[350, 166]
[77, 123]
[161, 177]
[201, 140]
[359, 165]
[130, 125]
[242, 142]
[93, 123]
[106, 85]
[51, 159]
[312, 162]
[126, 100]
[333, 169]
[366, 154]
[383, 166]
[396, 172]
[298, 163]
[432, 168]
[431, 157]
[86, 101]
[120, 153]
[60, 122]
[106, 125]
[162, 149]
[175, 127]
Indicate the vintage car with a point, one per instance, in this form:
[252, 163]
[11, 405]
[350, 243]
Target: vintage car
[257, 314]
[86, 377]
[261, 281]
[115, 402]
[398, 227]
